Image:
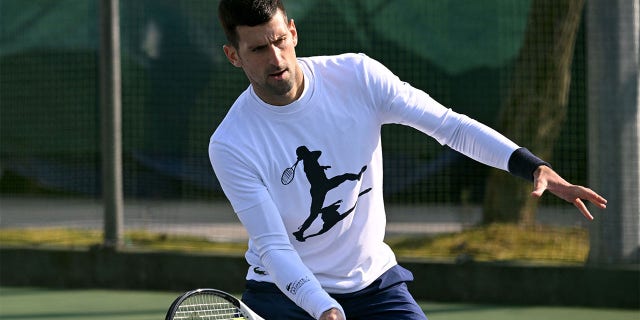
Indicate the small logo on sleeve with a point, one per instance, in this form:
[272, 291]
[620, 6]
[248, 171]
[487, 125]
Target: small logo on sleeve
[294, 286]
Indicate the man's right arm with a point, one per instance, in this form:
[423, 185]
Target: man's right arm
[270, 241]
[283, 264]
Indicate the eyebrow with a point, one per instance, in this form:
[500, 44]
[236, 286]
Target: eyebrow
[263, 45]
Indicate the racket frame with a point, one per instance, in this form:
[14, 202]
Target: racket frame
[291, 169]
[175, 305]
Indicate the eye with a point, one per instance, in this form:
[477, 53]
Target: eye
[258, 48]
[280, 41]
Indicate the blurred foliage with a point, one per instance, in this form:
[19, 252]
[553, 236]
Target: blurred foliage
[496, 242]
[501, 242]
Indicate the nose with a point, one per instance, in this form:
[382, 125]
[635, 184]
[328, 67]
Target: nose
[275, 55]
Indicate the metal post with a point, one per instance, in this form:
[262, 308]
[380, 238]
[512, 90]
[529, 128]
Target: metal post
[613, 32]
[111, 119]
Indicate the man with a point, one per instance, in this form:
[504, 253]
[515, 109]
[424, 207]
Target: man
[334, 105]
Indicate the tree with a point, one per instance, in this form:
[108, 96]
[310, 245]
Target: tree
[536, 106]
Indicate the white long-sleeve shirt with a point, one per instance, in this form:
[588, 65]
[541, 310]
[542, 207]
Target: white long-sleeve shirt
[338, 118]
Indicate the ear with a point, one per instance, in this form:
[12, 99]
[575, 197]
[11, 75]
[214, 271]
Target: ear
[294, 32]
[232, 55]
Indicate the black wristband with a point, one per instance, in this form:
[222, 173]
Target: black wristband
[523, 163]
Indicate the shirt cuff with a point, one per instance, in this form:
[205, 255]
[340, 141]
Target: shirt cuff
[522, 163]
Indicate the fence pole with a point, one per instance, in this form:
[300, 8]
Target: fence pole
[613, 32]
[111, 122]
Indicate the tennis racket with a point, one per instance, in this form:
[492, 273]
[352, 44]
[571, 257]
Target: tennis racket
[287, 175]
[209, 304]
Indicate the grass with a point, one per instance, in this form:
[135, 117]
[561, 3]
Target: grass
[138, 239]
[496, 242]
[27, 303]
[501, 242]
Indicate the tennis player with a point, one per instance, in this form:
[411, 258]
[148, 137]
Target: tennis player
[312, 260]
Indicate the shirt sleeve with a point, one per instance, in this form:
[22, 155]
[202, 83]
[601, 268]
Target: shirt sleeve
[281, 261]
[401, 103]
[240, 183]
[268, 235]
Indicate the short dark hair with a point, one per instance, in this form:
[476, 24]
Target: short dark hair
[234, 13]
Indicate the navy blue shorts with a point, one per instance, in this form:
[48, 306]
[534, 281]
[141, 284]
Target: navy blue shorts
[386, 298]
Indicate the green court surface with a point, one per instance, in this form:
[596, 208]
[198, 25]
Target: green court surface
[39, 304]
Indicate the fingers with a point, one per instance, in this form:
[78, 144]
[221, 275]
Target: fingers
[571, 193]
[540, 185]
[596, 199]
[332, 314]
[538, 190]
[589, 195]
[583, 209]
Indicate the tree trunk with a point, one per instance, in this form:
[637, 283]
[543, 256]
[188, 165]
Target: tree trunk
[536, 107]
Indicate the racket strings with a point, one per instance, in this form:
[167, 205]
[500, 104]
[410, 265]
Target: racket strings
[287, 176]
[208, 307]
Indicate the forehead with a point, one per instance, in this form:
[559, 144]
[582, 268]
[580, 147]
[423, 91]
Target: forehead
[260, 34]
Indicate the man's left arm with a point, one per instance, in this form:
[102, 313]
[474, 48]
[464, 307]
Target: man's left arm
[413, 107]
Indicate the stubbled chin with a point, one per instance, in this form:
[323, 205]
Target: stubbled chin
[280, 87]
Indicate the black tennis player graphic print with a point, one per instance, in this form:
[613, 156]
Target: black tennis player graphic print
[320, 186]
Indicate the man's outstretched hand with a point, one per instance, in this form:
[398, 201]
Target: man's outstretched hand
[545, 178]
